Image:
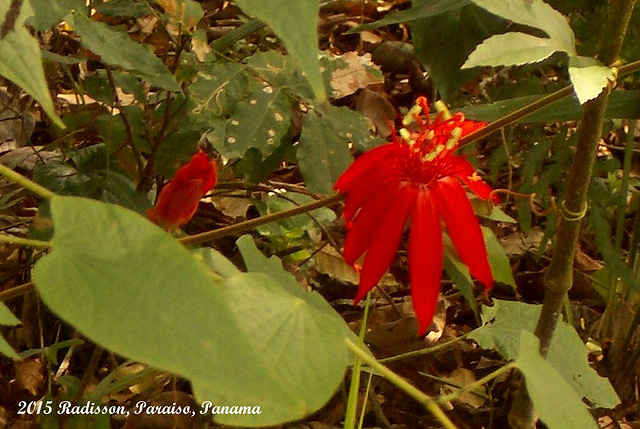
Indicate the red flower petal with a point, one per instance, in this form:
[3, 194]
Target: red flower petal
[425, 258]
[176, 204]
[463, 228]
[179, 199]
[480, 188]
[384, 244]
[367, 162]
[199, 167]
[468, 175]
[362, 230]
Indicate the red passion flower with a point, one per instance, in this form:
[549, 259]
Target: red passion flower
[179, 198]
[416, 176]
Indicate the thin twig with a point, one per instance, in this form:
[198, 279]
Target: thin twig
[250, 224]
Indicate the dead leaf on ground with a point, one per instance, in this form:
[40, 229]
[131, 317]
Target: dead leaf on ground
[30, 375]
[517, 243]
[461, 378]
[330, 262]
[359, 73]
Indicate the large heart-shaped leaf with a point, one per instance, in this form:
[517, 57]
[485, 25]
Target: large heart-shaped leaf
[241, 338]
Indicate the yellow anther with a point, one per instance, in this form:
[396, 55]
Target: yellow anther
[434, 153]
[456, 133]
[442, 108]
[409, 118]
[405, 134]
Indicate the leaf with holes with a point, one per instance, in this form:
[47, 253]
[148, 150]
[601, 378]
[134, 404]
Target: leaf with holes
[240, 338]
[295, 23]
[22, 62]
[259, 121]
[322, 154]
[216, 91]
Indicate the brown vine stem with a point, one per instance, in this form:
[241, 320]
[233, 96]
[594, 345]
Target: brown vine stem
[250, 224]
[518, 114]
[559, 277]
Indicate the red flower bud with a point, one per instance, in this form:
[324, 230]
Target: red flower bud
[179, 199]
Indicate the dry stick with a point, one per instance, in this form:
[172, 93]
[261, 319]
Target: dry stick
[559, 277]
[243, 226]
[250, 224]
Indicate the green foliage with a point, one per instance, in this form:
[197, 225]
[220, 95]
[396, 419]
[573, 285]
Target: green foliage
[546, 386]
[501, 329]
[500, 266]
[458, 272]
[322, 153]
[89, 176]
[241, 338]
[7, 319]
[295, 24]
[443, 60]
[116, 48]
[418, 10]
[292, 232]
[21, 60]
[622, 104]
[520, 48]
[588, 75]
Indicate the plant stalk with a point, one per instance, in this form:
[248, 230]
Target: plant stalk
[18, 178]
[250, 224]
[405, 386]
[559, 277]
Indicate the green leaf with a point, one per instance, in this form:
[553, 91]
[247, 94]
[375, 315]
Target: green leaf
[216, 262]
[216, 91]
[22, 62]
[589, 77]
[129, 8]
[459, 274]
[259, 121]
[443, 60]
[292, 227]
[489, 211]
[623, 104]
[546, 387]
[323, 154]
[258, 263]
[418, 10]
[567, 353]
[510, 49]
[104, 185]
[243, 340]
[116, 48]
[7, 319]
[500, 266]
[295, 23]
[502, 324]
[536, 14]
[50, 12]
